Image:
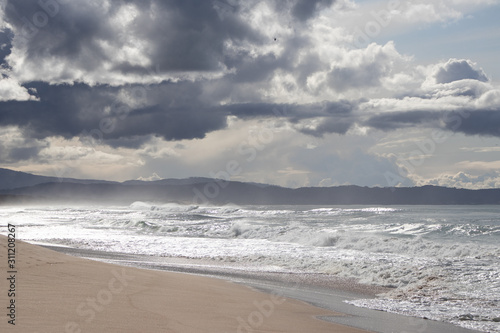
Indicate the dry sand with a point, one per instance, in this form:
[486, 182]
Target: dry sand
[59, 293]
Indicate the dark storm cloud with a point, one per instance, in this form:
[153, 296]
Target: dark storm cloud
[5, 45]
[469, 122]
[23, 153]
[193, 35]
[173, 111]
[71, 111]
[171, 123]
[306, 9]
[62, 110]
[455, 70]
[62, 30]
[181, 35]
[396, 120]
[478, 122]
[335, 117]
[21, 149]
[251, 69]
[292, 112]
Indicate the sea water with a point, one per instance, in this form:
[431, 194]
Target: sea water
[440, 262]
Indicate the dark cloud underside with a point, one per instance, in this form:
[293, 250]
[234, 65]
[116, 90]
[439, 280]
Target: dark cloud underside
[478, 122]
[396, 120]
[70, 111]
[176, 111]
[469, 122]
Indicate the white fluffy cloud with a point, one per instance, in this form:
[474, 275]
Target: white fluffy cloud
[465, 180]
[11, 90]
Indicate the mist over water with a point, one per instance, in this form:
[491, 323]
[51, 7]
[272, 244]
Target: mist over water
[442, 262]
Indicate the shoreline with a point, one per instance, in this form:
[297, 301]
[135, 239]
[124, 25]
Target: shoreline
[316, 289]
[61, 293]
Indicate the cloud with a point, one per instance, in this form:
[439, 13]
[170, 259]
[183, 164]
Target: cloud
[316, 119]
[199, 48]
[14, 147]
[151, 178]
[477, 122]
[364, 68]
[455, 70]
[128, 116]
[455, 96]
[469, 122]
[124, 39]
[431, 12]
[321, 126]
[11, 90]
[346, 167]
[306, 9]
[6, 37]
[466, 180]
[171, 111]
[396, 120]
[255, 69]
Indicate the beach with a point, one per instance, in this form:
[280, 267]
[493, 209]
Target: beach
[352, 260]
[60, 293]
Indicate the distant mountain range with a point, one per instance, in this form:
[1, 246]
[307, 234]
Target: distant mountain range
[20, 187]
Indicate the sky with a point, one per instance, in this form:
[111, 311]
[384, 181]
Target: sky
[287, 92]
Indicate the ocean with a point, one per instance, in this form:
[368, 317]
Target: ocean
[437, 262]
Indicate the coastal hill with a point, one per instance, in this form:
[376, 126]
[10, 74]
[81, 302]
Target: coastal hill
[23, 187]
[10, 179]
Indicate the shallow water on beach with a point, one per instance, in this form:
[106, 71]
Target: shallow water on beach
[441, 262]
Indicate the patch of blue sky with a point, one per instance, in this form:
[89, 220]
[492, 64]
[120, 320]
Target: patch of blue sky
[475, 37]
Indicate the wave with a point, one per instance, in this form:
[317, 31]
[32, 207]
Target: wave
[405, 240]
[171, 207]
